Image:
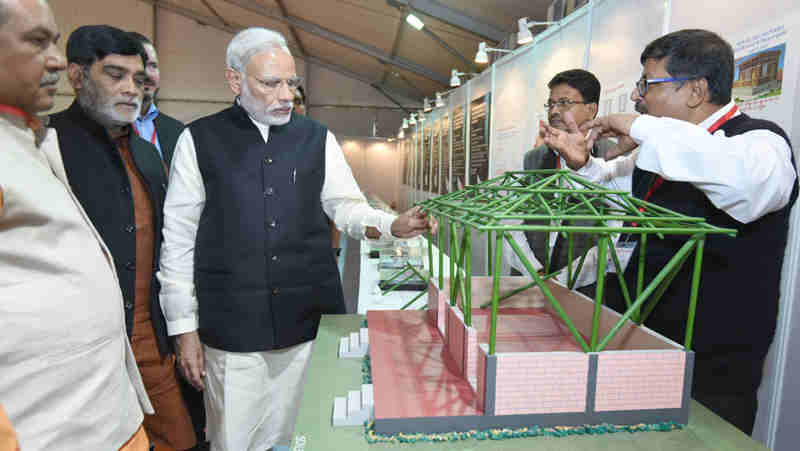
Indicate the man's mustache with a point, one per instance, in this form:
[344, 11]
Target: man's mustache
[50, 78]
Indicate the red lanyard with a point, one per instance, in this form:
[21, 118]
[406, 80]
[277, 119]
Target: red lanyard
[14, 111]
[714, 127]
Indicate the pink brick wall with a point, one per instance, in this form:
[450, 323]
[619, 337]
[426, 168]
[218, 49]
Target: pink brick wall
[433, 304]
[471, 357]
[539, 382]
[437, 299]
[480, 382]
[455, 337]
[640, 380]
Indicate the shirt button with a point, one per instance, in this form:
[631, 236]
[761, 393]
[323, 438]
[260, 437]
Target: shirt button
[268, 160]
[130, 266]
[276, 291]
[269, 191]
[130, 228]
[274, 258]
[272, 224]
[128, 305]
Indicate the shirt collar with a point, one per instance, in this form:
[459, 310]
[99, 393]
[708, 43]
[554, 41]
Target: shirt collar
[262, 128]
[718, 114]
[38, 125]
[151, 114]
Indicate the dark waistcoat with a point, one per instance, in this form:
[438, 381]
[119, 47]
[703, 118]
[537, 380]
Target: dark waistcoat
[99, 180]
[264, 272]
[740, 282]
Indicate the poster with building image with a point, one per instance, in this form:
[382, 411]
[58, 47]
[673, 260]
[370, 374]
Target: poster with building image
[479, 140]
[459, 150]
[445, 165]
[765, 71]
[435, 155]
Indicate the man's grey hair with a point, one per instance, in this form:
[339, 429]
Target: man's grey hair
[252, 41]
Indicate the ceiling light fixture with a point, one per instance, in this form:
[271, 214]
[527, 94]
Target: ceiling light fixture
[439, 100]
[482, 56]
[414, 21]
[454, 80]
[455, 77]
[524, 35]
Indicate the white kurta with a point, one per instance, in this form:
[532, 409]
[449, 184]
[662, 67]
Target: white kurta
[68, 379]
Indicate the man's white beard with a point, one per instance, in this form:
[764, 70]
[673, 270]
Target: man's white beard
[102, 110]
[258, 111]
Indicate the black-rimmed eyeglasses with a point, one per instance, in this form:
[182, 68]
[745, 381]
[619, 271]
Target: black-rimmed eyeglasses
[562, 104]
[643, 83]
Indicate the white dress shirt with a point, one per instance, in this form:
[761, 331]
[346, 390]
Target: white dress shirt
[341, 199]
[746, 176]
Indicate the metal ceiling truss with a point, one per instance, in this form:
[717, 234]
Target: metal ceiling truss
[453, 17]
[343, 40]
[231, 28]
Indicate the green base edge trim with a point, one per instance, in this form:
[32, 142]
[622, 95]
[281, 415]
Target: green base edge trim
[503, 434]
[366, 370]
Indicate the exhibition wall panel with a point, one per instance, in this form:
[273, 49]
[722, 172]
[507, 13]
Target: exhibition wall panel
[769, 28]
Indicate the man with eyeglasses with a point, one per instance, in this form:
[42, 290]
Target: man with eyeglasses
[702, 157]
[247, 268]
[574, 93]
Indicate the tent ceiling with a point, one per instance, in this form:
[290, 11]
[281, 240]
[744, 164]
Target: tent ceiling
[369, 39]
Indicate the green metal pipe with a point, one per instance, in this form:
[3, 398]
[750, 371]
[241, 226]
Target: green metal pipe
[698, 264]
[591, 217]
[453, 260]
[489, 250]
[408, 304]
[602, 247]
[441, 254]
[430, 253]
[662, 288]
[643, 297]
[549, 295]
[394, 286]
[622, 285]
[495, 292]
[571, 283]
[468, 278]
[570, 255]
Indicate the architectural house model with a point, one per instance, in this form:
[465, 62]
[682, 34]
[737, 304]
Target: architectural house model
[458, 367]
